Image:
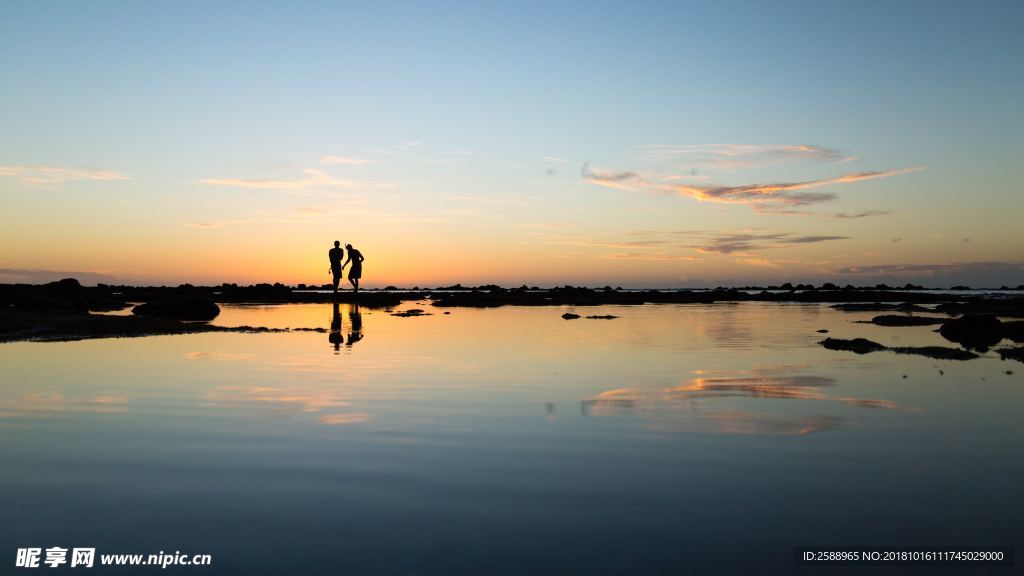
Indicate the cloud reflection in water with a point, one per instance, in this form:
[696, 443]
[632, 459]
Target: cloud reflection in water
[716, 401]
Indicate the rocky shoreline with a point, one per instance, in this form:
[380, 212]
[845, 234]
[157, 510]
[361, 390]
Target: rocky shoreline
[66, 310]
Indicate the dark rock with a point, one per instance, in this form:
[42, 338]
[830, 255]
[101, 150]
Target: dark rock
[973, 331]
[858, 345]
[65, 295]
[68, 286]
[187, 308]
[575, 296]
[1012, 353]
[898, 320]
[864, 346]
[1014, 330]
[51, 326]
[822, 331]
[605, 317]
[570, 316]
[937, 352]
[879, 307]
[410, 312]
[980, 305]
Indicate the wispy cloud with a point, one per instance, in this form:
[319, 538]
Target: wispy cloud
[829, 215]
[307, 215]
[41, 174]
[310, 210]
[741, 155]
[651, 257]
[758, 262]
[861, 214]
[774, 197]
[313, 181]
[930, 269]
[664, 245]
[555, 159]
[348, 160]
[222, 223]
[397, 149]
[980, 274]
[490, 200]
[622, 245]
[296, 215]
[741, 242]
[342, 419]
[546, 226]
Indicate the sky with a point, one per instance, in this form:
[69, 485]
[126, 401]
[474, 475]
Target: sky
[637, 144]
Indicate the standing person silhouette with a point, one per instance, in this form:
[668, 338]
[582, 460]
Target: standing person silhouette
[335, 255]
[356, 272]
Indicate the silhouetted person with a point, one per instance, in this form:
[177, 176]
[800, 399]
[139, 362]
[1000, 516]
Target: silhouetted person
[355, 325]
[335, 336]
[356, 272]
[335, 255]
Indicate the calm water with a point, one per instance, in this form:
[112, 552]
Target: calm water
[674, 439]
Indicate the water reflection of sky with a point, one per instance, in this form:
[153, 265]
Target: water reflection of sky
[533, 440]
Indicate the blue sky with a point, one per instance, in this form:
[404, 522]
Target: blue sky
[459, 141]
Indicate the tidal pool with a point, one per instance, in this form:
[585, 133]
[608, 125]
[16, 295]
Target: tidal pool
[673, 439]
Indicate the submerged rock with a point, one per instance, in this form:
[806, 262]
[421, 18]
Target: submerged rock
[410, 312]
[1012, 353]
[186, 308]
[865, 346]
[937, 352]
[900, 320]
[604, 317]
[570, 316]
[858, 345]
[879, 307]
[977, 331]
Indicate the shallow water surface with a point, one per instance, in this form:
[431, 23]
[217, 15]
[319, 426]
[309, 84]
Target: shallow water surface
[506, 441]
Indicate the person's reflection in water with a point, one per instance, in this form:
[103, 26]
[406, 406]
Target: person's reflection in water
[335, 336]
[355, 325]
